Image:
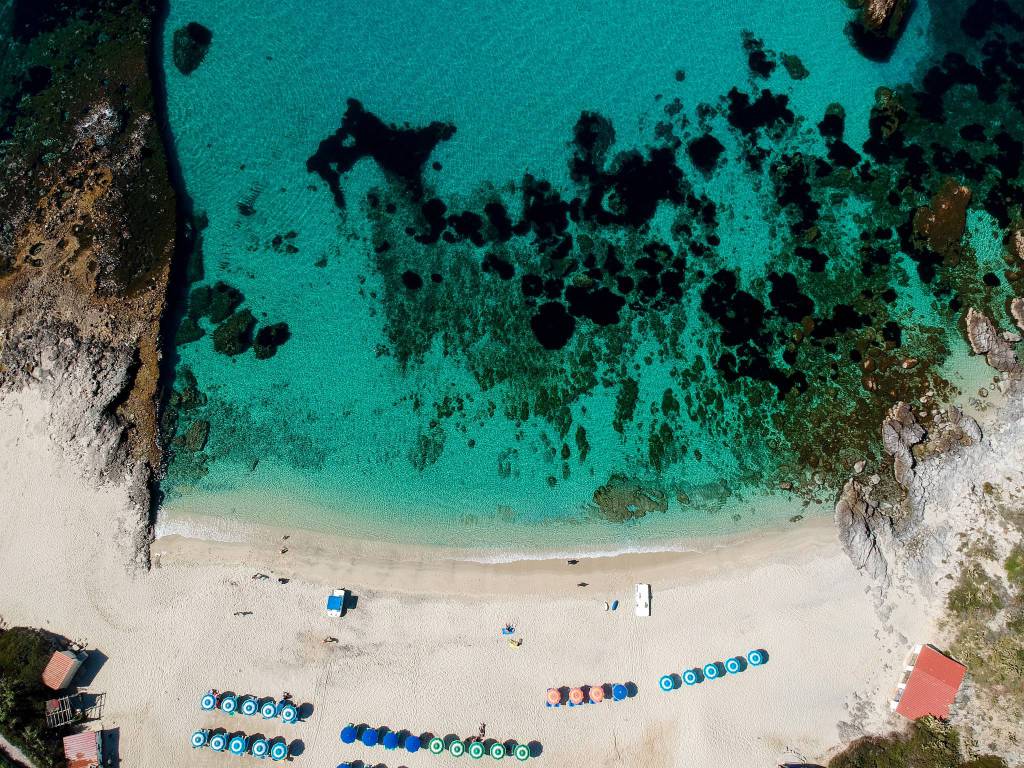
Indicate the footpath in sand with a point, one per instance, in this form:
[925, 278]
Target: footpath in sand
[422, 650]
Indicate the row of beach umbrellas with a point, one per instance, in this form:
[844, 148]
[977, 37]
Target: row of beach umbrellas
[588, 694]
[240, 744]
[371, 737]
[268, 708]
[713, 670]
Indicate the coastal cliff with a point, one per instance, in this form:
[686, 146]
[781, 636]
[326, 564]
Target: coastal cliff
[88, 220]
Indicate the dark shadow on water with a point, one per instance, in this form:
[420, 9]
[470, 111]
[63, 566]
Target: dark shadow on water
[90, 668]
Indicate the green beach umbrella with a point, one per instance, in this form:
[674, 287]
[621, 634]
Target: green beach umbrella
[521, 752]
[477, 750]
[436, 745]
[457, 748]
[497, 750]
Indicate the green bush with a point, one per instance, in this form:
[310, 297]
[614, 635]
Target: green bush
[927, 744]
[24, 653]
[975, 594]
[1015, 567]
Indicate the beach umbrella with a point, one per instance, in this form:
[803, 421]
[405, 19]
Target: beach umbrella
[436, 745]
[278, 750]
[348, 734]
[576, 696]
[666, 683]
[390, 740]
[369, 737]
[218, 742]
[249, 706]
[238, 744]
[521, 752]
[477, 750]
[413, 743]
[229, 704]
[260, 748]
[554, 697]
[457, 748]
[208, 702]
[268, 709]
[619, 692]
[755, 658]
[733, 665]
[711, 670]
[289, 713]
[497, 750]
[199, 739]
[597, 693]
[690, 677]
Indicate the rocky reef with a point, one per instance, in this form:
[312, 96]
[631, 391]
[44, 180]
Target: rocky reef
[191, 43]
[87, 232]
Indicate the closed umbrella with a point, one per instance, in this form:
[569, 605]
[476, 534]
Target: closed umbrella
[348, 734]
[619, 692]
[278, 750]
[413, 743]
[249, 706]
[597, 693]
[554, 697]
[199, 739]
[369, 737]
[208, 702]
[521, 752]
[260, 748]
[390, 740]
[576, 696]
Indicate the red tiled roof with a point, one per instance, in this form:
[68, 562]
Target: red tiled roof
[56, 672]
[82, 749]
[932, 685]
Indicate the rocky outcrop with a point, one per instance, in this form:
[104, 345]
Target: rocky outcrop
[1017, 310]
[900, 433]
[87, 232]
[879, 27]
[986, 339]
[864, 531]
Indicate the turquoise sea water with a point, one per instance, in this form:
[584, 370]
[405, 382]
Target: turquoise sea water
[431, 412]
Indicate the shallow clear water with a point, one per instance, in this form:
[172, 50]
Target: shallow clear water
[433, 413]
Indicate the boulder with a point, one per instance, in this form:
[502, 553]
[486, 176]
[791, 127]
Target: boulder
[985, 339]
[900, 433]
[863, 531]
[879, 27]
[1017, 310]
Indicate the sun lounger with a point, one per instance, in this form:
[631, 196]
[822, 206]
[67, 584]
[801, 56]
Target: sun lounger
[643, 599]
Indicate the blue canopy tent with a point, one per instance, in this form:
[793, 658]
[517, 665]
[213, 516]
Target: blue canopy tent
[413, 743]
[348, 734]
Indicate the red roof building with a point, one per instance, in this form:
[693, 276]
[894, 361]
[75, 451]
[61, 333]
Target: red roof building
[83, 750]
[61, 669]
[932, 686]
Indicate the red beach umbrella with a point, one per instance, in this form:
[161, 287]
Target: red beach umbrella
[576, 695]
[597, 693]
[554, 697]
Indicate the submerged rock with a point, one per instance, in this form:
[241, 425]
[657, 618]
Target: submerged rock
[195, 437]
[879, 27]
[191, 43]
[940, 225]
[622, 499]
[234, 335]
[269, 338]
[985, 339]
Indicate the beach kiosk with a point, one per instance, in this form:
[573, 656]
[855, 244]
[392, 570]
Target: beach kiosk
[336, 602]
[84, 750]
[643, 599]
[61, 669]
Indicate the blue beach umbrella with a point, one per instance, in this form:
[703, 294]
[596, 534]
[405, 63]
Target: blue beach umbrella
[690, 677]
[413, 743]
[260, 748]
[666, 683]
[711, 670]
[619, 693]
[755, 658]
[229, 704]
[218, 742]
[733, 665]
[278, 750]
[199, 739]
[238, 744]
[268, 709]
[348, 734]
[289, 713]
[390, 740]
[249, 706]
[208, 702]
[369, 737]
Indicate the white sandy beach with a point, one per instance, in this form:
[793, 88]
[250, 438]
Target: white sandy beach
[422, 649]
